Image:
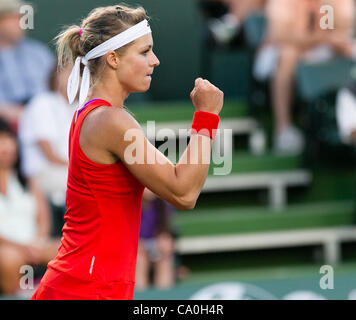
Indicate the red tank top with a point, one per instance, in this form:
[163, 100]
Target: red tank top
[102, 222]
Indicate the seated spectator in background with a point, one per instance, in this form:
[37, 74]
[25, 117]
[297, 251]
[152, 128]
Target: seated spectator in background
[294, 33]
[156, 245]
[346, 114]
[24, 218]
[229, 24]
[25, 64]
[44, 134]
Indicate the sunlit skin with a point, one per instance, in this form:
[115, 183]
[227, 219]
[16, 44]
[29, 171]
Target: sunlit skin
[10, 29]
[8, 151]
[131, 72]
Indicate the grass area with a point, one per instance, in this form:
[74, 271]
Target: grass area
[182, 111]
[222, 220]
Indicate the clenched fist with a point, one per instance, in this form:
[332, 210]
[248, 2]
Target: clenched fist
[206, 97]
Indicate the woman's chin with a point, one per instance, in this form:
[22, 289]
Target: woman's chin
[143, 88]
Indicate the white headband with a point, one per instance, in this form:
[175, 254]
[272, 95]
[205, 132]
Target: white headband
[123, 38]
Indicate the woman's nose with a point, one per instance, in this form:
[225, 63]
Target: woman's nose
[155, 61]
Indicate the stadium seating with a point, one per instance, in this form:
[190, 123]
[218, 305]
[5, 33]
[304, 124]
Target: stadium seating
[287, 203]
[314, 80]
[223, 226]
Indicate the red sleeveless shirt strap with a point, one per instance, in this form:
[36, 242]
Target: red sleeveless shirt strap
[79, 116]
[89, 107]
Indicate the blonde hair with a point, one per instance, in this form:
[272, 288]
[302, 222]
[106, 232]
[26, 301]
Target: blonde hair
[101, 24]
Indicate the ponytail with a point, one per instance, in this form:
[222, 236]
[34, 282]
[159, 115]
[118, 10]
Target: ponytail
[68, 45]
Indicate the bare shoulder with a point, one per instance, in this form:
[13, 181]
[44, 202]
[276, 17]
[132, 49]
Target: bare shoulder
[106, 126]
[117, 122]
[120, 119]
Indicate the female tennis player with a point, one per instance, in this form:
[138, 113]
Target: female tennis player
[113, 56]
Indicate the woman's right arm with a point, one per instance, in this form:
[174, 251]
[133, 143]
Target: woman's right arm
[178, 184]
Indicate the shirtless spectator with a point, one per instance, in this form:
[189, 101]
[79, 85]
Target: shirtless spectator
[294, 34]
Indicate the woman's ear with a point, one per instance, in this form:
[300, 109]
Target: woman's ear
[112, 59]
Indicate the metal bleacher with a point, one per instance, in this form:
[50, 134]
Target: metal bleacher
[234, 117]
[329, 238]
[222, 228]
[326, 225]
[278, 225]
[275, 182]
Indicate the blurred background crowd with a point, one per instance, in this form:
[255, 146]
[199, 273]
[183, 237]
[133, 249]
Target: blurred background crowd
[288, 70]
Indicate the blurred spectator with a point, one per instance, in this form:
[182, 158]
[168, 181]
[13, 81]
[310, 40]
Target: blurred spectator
[228, 25]
[346, 113]
[24, 64]
[294, 33]
[156, 246]
[44, 134]
[24, 217]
